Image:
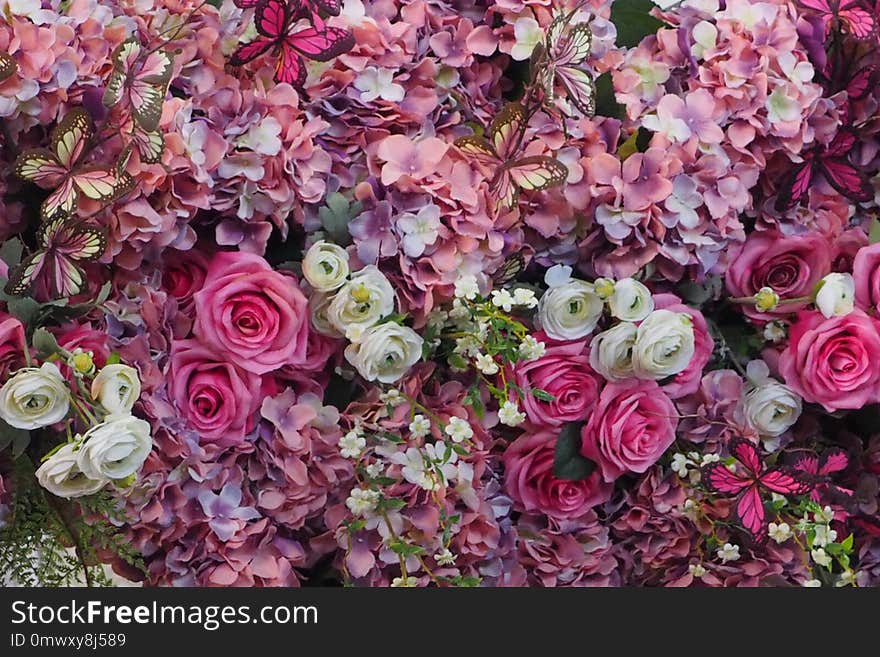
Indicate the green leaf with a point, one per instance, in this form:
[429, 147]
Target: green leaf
[336, 215]
[606, 101]
[24, 308]
[19, 439]
[848, 543]
[45, 343]
[633, 21]
[568, 463]
[11, 250]
[543, 395]
[874, 231]
[113, 358]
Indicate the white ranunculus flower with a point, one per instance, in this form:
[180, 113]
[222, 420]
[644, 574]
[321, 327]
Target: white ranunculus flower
[836, 296]
[325, 266]
[631, 301]
[611, 351]
[115, 448]
[570, 311]
[61, 475]
[385, 352]
[664, 345]
[117, 387]
[361, 302]
[34, 397]
[319, 306]
[770, 408]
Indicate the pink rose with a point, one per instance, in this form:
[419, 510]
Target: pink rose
[217, 398]
[183, 275]
[254, 316]
[791, 265]
[633, 425]
[563, 371]
[529, 479]
[866, 273]
[688, 380]
[834, 362]
[11, 345]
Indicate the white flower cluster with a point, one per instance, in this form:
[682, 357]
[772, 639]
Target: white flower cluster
[769, 407]
[353, 305]
[113, 449]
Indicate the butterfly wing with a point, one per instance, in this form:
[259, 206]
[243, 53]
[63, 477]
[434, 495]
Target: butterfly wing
[272, 18]
[96, 183]
[246, 4]
[846, 179]
[61, 202]
[124, 58]
[150, 145]
[785, 482]
[22, 277]
[721, 480]
[250, 51]
[478, 149]
[290, 67]
[332, 7]
[795, 186]
[750, 511]
[513, 265]
[39, 166]
[321, 45]
[746, 452]
[833, 460]
[68, 243]
[861, 83]
[579, 87]
[808, 464]
[503, 190]
[7, 66]
[70, 137]
[574, 47]
[537, 173]
[505, 129]
[859, 19]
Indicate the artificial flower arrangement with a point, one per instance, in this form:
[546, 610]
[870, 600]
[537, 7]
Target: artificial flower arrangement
[411, 293]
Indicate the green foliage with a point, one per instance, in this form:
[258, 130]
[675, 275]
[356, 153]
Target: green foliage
[606, 101]
[567, 460]
[874, 231]
[11, 251]
[50, 542]
[336, 215]
[633, 21]
[45, 343]
[18, 439]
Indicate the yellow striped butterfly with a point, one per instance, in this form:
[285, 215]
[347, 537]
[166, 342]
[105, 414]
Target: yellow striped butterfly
[566, 50]
[63, 244]
[7, 66]
[59, 168]
[497, 153]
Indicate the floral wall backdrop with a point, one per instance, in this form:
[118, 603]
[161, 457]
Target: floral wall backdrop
[440, 292]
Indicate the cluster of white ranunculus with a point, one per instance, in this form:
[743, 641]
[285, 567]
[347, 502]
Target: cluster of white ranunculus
[113, 449]
[645, 344]
[353, 305]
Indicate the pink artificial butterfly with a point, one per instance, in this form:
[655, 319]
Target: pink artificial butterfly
[855, 17]
[832, 163]
[63, 244]
[60, 168]
[7, 66]
[749, 481]
[566, 50]
[537, 172]
[288, 40]
[331, 7]
[857, 88]
[821, 469]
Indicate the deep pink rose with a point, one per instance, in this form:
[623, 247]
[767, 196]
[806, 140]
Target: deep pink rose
[252, 315]
[688, 380]
[11, 345]
[183, 275]
[564, 371]
[866, 273]
[528, 479]
[791, 265]
[834, 362]
[633, 425]
[218, 399]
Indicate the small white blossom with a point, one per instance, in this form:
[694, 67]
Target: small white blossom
[392, 396]
[510, 414]
[502, 299]
[824, 536]
[697, 570]
[420, 426]
[528, 34]
[376, 83]
[776, 498]
[458, 429]
[523, 296]
[779, 533]
[361, 501]
[404, 582]
[774, 331]
[846, 578]
[812, 584]
[375, 469]
[680, 464]
[821, 557]
[486, 364]
[709, 458]
[728, 553]
[466, 287]
[825, 515]
[531, 349]
[352, 444]
[445, 558]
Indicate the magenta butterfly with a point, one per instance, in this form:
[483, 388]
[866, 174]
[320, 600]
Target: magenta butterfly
[821, 469]
[855, 17]
[830, 162]
[7, 66]
[289, 39]
[859, 86]
[63, 244]
[331, 7]
[510, 175]
[60, 168]
[566, 50]
[748, 482]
